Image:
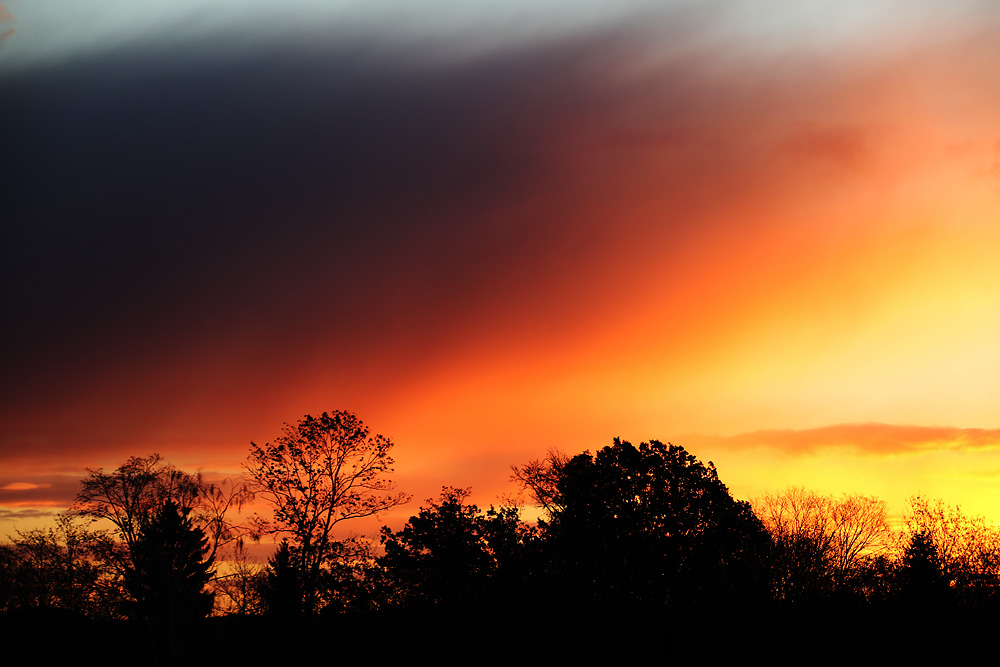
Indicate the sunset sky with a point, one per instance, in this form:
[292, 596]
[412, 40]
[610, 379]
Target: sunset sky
[766, 230]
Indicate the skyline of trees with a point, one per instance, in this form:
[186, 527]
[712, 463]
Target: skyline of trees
[648, 527]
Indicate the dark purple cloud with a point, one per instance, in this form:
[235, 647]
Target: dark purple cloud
[196, 207]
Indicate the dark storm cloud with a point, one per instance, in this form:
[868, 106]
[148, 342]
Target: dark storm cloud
[150, 195]
[194, 230]
[163, 203]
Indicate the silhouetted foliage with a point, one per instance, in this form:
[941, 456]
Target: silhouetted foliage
[321, 471]
[922, 579]
[450, 553]
[135, 492]
[968, 549]
[240, 589]
[344, 582]
[283, 591]
[540, 478]
[170, 569]
[638, 541]
[875, 579]
[650, 526]
[131, 495]
[61, 567]
[821, 543]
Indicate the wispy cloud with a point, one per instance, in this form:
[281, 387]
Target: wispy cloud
[23, 486]
[843, 146]
[28, 490]
[874, 439]
[13, 515]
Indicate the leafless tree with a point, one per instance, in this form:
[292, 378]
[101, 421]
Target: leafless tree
[820, 541]
[540, 478]
[237, 584]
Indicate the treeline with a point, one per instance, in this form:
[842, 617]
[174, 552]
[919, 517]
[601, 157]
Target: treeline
[628, 535]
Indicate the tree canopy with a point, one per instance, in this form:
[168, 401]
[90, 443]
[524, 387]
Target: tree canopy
[648, 525]
[131, 495]
[638, 538]
[451, 552]
[171, 568]
[320, 472]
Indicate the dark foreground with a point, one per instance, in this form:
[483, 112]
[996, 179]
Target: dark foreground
[528, 636]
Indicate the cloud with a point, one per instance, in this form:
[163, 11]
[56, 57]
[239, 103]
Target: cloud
[14, 515]
[845, 147]
[248, 217]
[23, 486]
[874, 439]
[46, 490]
[200, 245]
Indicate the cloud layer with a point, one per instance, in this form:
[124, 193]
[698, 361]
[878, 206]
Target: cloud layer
[486, 252]
[864, 439]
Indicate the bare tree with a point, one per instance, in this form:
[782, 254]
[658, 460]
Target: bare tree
[540, 478]
[820, 541]
[237, 583]
[858, 527]
[321, 472]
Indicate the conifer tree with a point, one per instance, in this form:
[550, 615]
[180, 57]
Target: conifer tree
[283, 590]
[168, 576]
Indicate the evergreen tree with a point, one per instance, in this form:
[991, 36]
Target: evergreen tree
[283, 591]
[168, 575]
[923, 580]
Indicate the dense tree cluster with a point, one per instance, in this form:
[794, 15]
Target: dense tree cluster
[626, 531]
[451, 553]
[647, 525]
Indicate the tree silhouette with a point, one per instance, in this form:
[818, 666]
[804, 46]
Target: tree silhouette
[282, 591]
[968, 548]
[320, 472]
[170, 569]
[135, 492]
[923, 580]
[131, 495]
[649, 526]
[451, 552]
[821, 543]
[540, 478]
[61, 567]
[239, 591]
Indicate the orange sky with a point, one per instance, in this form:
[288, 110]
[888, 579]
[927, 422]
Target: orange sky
[787, 261]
